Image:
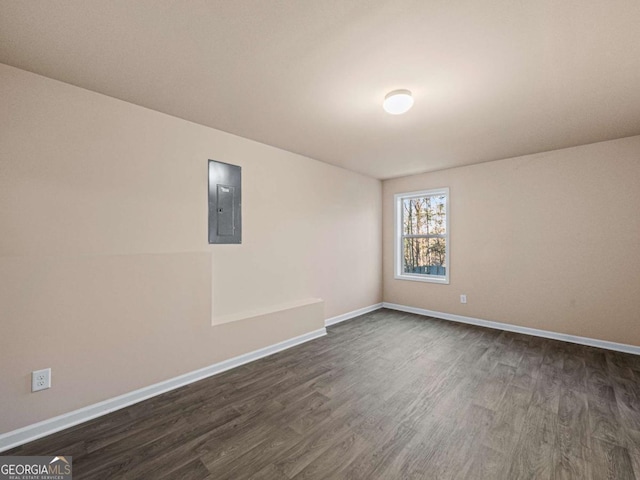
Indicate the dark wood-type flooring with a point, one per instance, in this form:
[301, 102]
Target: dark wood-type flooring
[388, 395]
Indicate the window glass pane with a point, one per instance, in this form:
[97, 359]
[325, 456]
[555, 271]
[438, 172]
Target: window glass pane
[424, 215]
[424, 256]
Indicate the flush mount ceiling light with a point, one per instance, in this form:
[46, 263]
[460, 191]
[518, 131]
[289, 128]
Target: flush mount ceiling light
[398, 102]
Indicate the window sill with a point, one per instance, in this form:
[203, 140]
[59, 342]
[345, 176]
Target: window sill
[423, 278]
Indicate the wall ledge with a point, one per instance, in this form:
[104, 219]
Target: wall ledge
[258, 312]
[52, 425]
[591, 342]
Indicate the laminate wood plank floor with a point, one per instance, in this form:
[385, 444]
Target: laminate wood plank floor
[387, 395]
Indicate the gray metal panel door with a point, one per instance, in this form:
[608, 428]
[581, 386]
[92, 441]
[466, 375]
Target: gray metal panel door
[225, 203]
[225, 210]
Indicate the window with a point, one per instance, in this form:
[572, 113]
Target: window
[422, 236]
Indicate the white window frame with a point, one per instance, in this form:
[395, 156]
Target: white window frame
[398, 199]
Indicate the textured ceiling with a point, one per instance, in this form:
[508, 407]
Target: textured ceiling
[491, 79]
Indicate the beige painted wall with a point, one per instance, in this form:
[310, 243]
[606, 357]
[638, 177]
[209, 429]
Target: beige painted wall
[549, 241]
[105, 271]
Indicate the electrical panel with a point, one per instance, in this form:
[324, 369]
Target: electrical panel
[225, 203]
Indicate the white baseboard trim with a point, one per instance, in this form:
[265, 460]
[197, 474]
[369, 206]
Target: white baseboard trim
[591, 342]
[353, 314]
[46, 427]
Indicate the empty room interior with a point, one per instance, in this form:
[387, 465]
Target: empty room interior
[348, 239]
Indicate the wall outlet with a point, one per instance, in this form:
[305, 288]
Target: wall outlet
[463, 299]
[40, 380]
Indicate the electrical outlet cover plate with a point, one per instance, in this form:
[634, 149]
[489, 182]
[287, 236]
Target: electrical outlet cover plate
[40, 380]
[463, 298]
